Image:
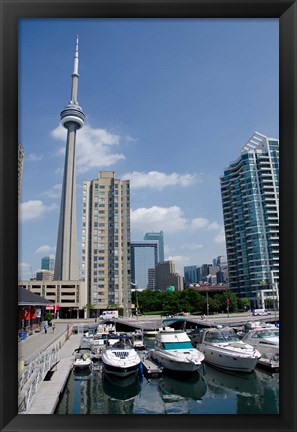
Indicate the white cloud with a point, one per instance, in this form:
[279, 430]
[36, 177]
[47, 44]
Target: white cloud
[214, 226]
[45, 249]
[220, 238]
[54, 192]
[34, 209]
[93, 147]
[158, 218]
[191, 246]
[159, 180]
[199, 223]
[33, 157]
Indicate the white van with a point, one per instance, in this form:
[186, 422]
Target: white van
[109, 314]
[260, 312]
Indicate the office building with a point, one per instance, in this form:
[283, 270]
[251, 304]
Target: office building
[48, 263]
[105, 266]
[144, 257]
[191, 274]
[72, 118]
[250, 199]
[166, 276]
[159, 237]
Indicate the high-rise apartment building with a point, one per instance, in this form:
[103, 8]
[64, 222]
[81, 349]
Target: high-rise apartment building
[250, 199]
[166, 276]
[105, 267]
[48, 263]
[159, 237]
[144, 257]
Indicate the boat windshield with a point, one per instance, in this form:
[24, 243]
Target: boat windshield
[122, 344]
[177, 345]
[261, 334]
[222, 336]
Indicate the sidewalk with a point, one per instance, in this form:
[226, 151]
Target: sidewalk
[37, 342]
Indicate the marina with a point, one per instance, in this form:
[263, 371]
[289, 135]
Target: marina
[150, 380]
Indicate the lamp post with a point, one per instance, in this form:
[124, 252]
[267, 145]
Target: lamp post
[136, 298]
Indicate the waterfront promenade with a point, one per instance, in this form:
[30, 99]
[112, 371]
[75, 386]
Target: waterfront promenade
[62, 343]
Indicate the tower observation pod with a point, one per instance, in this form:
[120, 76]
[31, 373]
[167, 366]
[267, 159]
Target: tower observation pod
[72, 118]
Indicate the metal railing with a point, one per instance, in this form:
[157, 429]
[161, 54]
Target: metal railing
[33, 376]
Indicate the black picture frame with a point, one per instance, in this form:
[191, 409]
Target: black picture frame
[11, 12]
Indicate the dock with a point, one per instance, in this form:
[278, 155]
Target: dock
[150, 368]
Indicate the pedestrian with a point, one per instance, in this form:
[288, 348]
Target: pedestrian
[53, 327]
[45, 328]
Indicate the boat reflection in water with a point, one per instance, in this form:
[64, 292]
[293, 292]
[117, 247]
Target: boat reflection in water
[175, 388]
[82, 374]
[251, 391]
[220, 381]
[121, 392]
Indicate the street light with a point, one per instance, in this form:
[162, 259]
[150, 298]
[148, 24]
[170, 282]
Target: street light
[136, 298]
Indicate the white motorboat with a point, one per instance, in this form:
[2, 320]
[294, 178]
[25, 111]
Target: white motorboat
[265, 338]
[137, 340]
[223, 348]
[82, 359]
[174, 351]
[120, 358]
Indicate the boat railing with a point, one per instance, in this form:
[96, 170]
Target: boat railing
[32, 377]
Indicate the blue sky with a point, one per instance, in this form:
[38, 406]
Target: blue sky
[169, 103]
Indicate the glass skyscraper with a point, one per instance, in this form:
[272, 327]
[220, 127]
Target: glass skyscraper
[250, 199]
[144, 256]
[157, 236]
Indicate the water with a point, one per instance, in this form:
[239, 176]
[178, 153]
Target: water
[209, 391]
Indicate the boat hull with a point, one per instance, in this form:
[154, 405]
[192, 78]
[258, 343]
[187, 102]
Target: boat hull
[229, 361]
[120, 371]
[173, 364]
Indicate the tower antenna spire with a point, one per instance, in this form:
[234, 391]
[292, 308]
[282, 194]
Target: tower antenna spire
[75, 75]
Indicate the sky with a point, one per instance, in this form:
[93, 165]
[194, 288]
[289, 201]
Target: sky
[169, 103]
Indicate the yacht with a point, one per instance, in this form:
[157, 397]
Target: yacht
[265, 338]
[223, 348]
[174, 351]
[120, 358]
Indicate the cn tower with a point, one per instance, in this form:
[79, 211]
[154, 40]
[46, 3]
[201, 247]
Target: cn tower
[72, 118]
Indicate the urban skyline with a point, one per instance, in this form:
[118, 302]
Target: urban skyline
[174, 187]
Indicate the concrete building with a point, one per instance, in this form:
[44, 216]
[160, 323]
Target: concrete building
[72, 118]
[48, 263]
[106, 267]
[166, 276]
[159, 237]
[21, 153]
[44, 275]
[144, 257]
[65, 294]
[250, 198]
